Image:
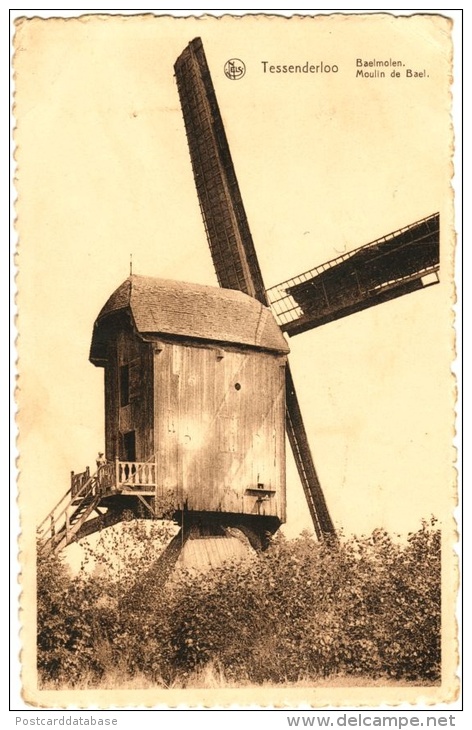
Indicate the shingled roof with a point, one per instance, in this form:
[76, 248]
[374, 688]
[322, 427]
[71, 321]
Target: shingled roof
[176, 308]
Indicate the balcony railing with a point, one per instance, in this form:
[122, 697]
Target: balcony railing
[135, 474]
[116, 476]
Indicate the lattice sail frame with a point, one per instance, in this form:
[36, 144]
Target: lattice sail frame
[396, 264]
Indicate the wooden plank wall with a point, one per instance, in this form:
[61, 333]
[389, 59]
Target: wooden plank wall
[112, 403]
[220, 427]
[127, 349]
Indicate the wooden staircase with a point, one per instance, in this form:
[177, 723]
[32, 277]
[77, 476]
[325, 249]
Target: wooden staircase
[95, 501]
[62, 524]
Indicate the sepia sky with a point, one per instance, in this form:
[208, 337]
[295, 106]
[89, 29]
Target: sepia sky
[325, 163]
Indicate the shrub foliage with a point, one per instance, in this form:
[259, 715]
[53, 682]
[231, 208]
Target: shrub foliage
[301, 610]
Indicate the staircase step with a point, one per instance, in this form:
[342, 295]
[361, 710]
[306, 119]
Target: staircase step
[64, 534]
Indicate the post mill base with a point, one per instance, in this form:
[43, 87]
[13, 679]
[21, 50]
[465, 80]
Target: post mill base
[204, 545]
[209, 547]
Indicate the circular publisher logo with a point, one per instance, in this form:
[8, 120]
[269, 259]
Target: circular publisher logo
[235, 69]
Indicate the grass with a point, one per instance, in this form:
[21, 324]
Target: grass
[212, 677]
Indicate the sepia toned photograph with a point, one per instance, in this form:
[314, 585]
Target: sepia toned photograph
[236, 407]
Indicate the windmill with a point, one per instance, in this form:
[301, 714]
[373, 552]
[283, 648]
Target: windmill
[163, 344]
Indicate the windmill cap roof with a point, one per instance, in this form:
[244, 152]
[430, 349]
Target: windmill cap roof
[180, 309]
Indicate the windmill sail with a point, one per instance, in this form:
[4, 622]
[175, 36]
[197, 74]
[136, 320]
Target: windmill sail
[229, 237]
[397, 264]
[304, 461]
[227, 229]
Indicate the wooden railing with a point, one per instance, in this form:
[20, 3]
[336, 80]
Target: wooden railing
[77, 481]
[114, 476]
[57, 521]
[106, 477]
[136, 474]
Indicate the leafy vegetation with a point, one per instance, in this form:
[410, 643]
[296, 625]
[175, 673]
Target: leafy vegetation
[301, 611]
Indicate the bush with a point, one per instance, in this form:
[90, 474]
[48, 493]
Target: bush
[303, 609]
[366, 607]
[66, 623]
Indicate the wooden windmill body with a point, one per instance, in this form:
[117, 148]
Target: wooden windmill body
[198, 390]
[194, 402]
